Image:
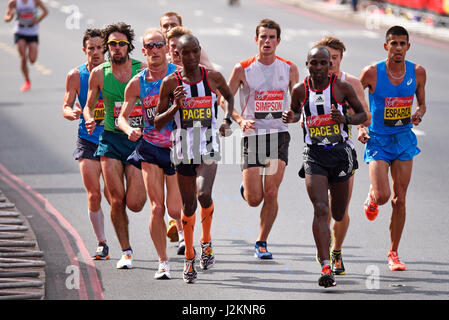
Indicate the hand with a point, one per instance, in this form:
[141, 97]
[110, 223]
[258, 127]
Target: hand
[225, 129]
[336, 115]
[288, 116]
[363, 135]
[73, 113]
[134, 134]
[90, 125]
[416, 118]
[247, 124]
[179, 94]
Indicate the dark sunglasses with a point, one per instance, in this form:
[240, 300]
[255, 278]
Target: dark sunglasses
[151, 45]
[121, 43]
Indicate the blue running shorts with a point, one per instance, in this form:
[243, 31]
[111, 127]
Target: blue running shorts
[148, 152]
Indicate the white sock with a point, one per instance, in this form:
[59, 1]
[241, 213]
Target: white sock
[181, 235]
[97, 220]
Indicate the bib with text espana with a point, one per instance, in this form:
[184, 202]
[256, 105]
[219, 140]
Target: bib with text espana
[398, 111]
[268, 104]
[196, 112]
[99, 112]
[323, 129]
[135, 119]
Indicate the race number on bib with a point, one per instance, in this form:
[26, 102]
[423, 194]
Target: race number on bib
[99, 112]
[398, 111]
[323, 129]
[196, 111]
[268, 104]
[135, 118]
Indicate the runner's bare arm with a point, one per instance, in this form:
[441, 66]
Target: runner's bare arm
[10, 11]
[220, 83]
[72, 86]
[420, 74]
[164, 112]
[297, 99]
[350, 96]
[95, 86]
[368, 78]
[294, 77]
[132, 91]
[44, 11]
[358, 88]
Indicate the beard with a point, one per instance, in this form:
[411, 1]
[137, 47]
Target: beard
[121, 60]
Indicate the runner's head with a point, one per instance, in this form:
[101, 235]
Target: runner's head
[93, 46]
[172, 39]
[118, 39]
[396, 43]
[155, 47]
[168, 21]
[189, 51]
[268, 36]
[336, 48]
[318, 63]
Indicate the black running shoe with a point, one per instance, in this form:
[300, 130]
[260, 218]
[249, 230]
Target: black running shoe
[338, 267]
[102, 252]
[327, 277]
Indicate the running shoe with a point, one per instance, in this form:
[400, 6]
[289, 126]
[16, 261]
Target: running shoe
[327, 277]
[242, 191]
[126, 262]
[207, 258]
[394, 263]
[338, 268]
[181, 247]
[163, 272]
[26, 86]
[102, 252]
[189, 274]
[371, 208]
[261, 252]
[172, 231]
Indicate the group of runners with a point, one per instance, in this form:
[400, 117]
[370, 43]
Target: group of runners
[151, 129]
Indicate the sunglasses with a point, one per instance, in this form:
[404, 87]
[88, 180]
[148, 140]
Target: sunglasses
[151, 45]
[121, 43]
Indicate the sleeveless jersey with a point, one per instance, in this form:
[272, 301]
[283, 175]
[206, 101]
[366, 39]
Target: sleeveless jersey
[196, 130]
[98, 111]
[25, 15]
[264, 95]
[114, 96]
[319, 128]
[149, 95]
[390, 105]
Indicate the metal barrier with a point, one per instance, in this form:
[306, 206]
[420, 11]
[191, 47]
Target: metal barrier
[22, 274]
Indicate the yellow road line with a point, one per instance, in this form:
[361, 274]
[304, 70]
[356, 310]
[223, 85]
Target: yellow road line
[13, 51]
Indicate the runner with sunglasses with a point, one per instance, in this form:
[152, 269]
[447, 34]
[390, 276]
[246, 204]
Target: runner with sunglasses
[152, 154]
[111, 78]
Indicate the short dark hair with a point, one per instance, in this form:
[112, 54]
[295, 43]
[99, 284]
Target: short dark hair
[122, 28]
[396, 31]
[270, 24]
[91, 33]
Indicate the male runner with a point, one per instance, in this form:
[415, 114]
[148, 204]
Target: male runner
[111, 78]
[152, 154]
[26, 32]
[336, 48]
[264, 81]
[77, 85]
[390, 141]
[329, 161]
[196, 149]
[172, 40]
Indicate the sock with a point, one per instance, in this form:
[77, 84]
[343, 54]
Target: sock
[188, 224]
[97, 220]
[336, 252]
[325, 263]
[206, 222]
[181, 236]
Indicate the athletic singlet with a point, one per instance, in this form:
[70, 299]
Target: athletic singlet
[196, 131]
[98, 111]
[319, 128]
[25, 15]
[349, 140]
[390, 105]
[149, 95]
[114, 96]
[264, 95]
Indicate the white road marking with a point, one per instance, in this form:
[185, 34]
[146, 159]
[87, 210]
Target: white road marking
[418, 132]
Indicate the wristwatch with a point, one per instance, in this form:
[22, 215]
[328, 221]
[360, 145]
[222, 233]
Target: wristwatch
[228, 119]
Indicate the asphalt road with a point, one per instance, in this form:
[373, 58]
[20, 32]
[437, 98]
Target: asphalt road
[36, 146]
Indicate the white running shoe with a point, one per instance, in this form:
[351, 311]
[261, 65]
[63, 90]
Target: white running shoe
[163, 272]
[126, 262]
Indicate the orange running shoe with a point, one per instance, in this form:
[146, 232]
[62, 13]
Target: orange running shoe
[26, 86]
[172, 231]
[371, 208]
[394, 263]
[327, 277]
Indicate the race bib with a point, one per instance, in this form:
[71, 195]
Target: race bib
[196, 112]
[135, 118]
[149, 105]
[398, 111]
[99, 112]
[268, 104]
[323, 129]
